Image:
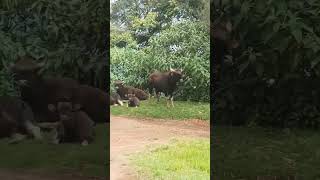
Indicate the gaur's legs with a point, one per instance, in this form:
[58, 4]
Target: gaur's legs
[158, 95]
[84, 143]
[120, 102]
[171, 99]
[33, 130]
[17, 137]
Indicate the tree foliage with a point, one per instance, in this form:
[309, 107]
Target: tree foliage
[184, 45]
[70, 36]
[144, 18]
[274, 80]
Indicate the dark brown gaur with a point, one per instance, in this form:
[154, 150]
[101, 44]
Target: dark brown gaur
[74, 124]
[123, 91]
[165, 82]
[115, 99]
[37, 91]
[133, 101]
[17, 120]
[93, 101]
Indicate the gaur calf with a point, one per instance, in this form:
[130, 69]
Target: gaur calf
[133, 101]
[74, 124]
[123, 91]
[165, 82]
[17, 119]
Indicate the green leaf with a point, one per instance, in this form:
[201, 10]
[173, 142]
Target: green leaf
[315, 62]
[260, 69]
[243, 66]
[297, 33]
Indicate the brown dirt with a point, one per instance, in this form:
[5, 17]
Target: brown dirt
[129, 136]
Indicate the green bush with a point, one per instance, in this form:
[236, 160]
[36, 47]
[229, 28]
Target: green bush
[191, 39]
[279, 41]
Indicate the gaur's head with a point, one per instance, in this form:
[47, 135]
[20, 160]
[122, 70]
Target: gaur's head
[118, 84]
[176, 75]
[130, 96]
[64, 109]
[25, 70]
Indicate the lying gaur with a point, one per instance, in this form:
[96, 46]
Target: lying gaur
[74, 125]
[17, 119]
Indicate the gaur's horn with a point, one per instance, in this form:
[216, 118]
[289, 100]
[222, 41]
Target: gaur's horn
[171, 69]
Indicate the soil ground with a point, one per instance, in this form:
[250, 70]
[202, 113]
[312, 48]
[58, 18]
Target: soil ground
[130, 136]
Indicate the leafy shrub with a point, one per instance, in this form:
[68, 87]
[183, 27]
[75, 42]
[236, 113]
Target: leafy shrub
[184, 45]
[69, 35]
[281, 44]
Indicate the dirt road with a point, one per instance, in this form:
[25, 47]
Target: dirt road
[130, 136]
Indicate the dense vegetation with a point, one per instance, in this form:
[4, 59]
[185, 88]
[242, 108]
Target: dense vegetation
[148, 36]
[274, 76]
[70, 36]
[183, 110]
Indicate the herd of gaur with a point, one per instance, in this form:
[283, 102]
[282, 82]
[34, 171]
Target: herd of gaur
[64, 106]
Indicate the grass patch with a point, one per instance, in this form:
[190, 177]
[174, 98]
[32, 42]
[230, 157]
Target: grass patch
[29, 154]
[159, 110]
[245, 153]
[181, 159]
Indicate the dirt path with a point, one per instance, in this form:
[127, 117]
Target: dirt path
[130, 136]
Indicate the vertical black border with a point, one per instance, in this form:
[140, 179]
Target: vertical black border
[106, 35]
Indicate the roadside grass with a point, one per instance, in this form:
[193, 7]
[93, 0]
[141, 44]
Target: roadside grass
[262, 153]
[152, 109]
[63, 158]
[180, 160]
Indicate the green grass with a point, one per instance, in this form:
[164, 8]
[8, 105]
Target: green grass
[69, 158]
[180, 160]
[245, 153]
[152, 109]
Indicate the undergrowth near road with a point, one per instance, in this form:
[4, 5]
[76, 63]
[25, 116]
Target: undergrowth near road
[159, 110]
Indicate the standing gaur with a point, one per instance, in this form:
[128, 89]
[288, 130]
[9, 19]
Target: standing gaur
[165, 82]
[17, 120]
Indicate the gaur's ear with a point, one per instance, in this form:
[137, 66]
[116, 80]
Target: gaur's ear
[52, 108]
[76, 107]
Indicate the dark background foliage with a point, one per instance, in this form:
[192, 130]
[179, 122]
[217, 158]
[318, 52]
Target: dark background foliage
[273, 79]
[70, 36]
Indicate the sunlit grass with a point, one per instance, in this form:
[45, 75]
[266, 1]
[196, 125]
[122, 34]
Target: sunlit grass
[180, 160]
[159, 110]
